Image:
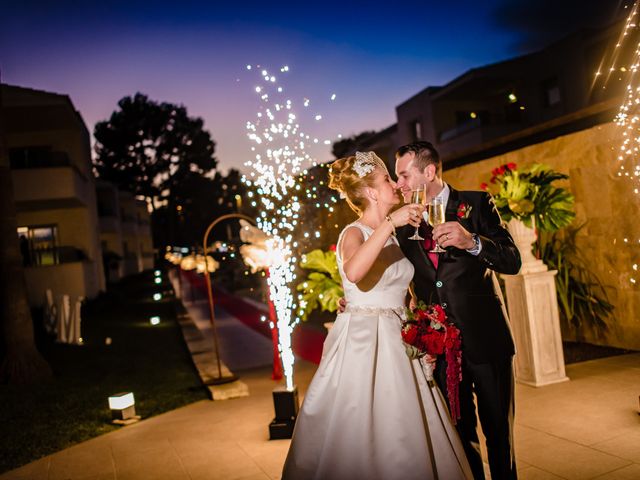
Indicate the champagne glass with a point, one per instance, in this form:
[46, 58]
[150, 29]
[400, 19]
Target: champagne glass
[436, 217]
[419, 195]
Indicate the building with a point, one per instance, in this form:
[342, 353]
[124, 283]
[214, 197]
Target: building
[125, 232]
[55, 195]
[497, 108]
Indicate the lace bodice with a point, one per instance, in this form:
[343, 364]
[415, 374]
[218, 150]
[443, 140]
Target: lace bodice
[386, 284]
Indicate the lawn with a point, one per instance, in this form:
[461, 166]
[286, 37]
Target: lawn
[150, 361]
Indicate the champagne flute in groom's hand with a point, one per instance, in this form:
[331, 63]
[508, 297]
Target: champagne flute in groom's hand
[436, 217]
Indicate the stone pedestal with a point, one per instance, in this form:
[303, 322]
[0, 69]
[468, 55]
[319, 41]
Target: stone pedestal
[533, 312]
[524, 237]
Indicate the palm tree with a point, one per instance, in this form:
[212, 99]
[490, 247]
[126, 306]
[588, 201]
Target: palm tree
[22, 362]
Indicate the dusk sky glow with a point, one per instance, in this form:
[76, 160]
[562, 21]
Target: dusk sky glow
[195, 54]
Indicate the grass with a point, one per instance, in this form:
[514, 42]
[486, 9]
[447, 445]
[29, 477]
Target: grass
[151, 361]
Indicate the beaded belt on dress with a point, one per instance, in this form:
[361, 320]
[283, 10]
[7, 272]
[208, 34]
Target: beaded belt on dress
[399, 310]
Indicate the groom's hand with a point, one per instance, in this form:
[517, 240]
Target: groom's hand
[342, 305]
[453, 234]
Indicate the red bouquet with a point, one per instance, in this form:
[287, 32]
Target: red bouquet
[427, 331]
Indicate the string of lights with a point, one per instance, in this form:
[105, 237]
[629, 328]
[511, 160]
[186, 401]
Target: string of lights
[628, 117]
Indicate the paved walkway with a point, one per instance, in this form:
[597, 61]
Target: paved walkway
[583, 429]
[235, 340]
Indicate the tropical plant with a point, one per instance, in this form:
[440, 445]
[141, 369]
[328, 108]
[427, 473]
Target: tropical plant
[582, 299]
[529, 195]
[323, 286]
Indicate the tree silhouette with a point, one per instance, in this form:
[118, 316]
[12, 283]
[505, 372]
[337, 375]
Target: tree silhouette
[148, 148]
[196, 202]
[348, 146]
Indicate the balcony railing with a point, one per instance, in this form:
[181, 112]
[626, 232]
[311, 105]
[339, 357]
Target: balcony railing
[51, 183]
[460, 129]
[42, 257]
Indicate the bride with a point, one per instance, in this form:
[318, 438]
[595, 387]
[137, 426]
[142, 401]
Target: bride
[369, 411]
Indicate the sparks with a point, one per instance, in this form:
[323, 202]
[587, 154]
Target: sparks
[628, 117]
[280, 161]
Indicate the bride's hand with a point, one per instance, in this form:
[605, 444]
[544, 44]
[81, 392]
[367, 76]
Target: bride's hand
[413, 303]
[431, 359]
[408, 214]
[342, 305]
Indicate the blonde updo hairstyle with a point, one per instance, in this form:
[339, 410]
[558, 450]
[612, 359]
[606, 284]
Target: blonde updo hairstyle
[345, 179]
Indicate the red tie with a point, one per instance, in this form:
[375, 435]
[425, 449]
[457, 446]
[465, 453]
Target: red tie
[429, 244]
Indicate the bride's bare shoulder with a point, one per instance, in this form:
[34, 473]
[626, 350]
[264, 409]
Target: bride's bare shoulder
[351, 238]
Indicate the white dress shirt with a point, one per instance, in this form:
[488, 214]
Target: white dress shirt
[444, 195]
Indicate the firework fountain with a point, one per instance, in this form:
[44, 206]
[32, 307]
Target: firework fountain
[280, 158]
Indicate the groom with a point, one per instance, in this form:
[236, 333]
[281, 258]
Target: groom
[462, 282]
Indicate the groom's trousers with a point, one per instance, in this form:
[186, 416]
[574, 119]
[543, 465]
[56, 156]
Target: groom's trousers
[493, 385]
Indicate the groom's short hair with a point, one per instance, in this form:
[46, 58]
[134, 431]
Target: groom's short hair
[425, 153]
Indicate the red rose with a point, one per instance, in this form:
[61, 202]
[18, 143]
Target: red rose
[435, 343]
[502, 170]
[493, 180]
[409, 333]
[421, 314]
[495, 172]
[511, 166]
[484, 186]
[332, 248]
[440, 312]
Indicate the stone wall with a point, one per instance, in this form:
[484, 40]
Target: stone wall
[605, 204]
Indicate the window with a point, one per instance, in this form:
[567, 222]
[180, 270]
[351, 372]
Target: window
[37, 157]
[38, 245]
[464, 117]
[551, 92]
[416, 130]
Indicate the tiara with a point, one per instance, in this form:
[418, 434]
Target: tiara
[364, 164]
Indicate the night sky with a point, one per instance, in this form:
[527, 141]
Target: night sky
[195, 53]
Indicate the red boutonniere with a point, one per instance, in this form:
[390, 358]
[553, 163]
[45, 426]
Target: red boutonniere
[464, 210]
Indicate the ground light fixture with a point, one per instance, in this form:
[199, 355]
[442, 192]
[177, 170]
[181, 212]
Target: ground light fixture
[158, 280]
[157, 296]
[123, 410]
[286, 405]
[155, 320]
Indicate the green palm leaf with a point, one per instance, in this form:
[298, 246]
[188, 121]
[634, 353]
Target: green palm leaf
[323, 286]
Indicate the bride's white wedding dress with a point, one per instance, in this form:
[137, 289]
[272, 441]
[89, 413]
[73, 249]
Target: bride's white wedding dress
[369, 412]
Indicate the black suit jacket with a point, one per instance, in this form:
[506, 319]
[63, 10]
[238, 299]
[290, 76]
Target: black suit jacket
[462, 284]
